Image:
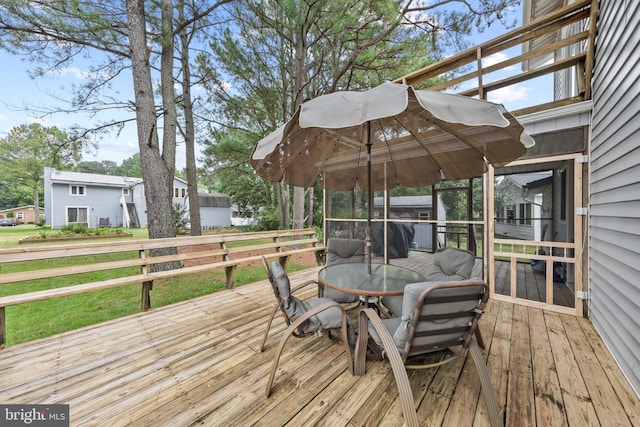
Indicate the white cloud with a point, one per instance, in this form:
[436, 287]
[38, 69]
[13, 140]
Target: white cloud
[497, 58]
[74, 72]
[510, 94]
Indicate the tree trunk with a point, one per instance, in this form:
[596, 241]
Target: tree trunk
[189, 132]
[169, 116]
[298, 207]
[310, 207]
[156, 172]
[282, 203]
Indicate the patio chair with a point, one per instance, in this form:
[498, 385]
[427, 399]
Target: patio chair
[316, 316]
[343, 251]
[449, 264]
[436, 316]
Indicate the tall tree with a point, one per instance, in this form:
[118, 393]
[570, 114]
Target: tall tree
[12, 195]
[279, 53]
[301, 50]
[26, 151]
[55, 33]
[158, 174]
[129, 167]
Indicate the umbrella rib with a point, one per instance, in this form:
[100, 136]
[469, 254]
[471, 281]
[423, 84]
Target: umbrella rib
[445, 127]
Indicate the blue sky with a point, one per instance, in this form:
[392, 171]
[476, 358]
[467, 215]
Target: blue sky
[19, 89]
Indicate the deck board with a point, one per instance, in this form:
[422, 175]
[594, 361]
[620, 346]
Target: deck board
[197, 362]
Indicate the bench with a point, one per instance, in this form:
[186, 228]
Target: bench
[192, 255]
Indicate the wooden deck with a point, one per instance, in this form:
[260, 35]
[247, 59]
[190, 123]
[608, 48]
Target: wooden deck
[197, 362]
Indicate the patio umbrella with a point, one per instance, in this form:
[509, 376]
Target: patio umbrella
[389, 135]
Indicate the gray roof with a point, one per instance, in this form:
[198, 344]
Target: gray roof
[523, 179]
[93, 179]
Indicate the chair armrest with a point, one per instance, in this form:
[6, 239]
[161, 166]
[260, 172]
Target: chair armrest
[305, 284]
[397, 363]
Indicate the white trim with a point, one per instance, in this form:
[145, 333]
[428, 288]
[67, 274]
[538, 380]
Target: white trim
[77, 187]
[555, 113]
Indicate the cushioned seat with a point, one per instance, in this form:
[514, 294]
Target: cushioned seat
[304, 318]
[435, 316]
[449, 264]
[342, 251]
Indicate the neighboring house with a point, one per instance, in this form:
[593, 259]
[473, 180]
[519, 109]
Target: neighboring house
[24, 214]
[108, 200]
[524, 210]
[215, 210]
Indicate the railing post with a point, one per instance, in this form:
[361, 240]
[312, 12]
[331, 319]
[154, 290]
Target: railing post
[147, 287]
[481, 93]
[3, 328]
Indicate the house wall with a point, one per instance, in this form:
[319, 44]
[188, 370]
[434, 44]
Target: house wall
[101, 202]
[138, 199]
[25, 214]
[211, 217]
[614, 208]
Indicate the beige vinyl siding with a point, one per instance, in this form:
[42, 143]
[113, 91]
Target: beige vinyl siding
[614, 211]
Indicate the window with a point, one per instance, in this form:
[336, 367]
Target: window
[77, 215]
[425, 216]
[525, 213]
[176, 192]
[77, 190]
[563, 195]
[184, 192]
[20, 216]
[125, 191]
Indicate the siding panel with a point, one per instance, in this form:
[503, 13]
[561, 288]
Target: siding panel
[614, 212]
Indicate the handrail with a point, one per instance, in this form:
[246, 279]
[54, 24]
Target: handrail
[468, 66]
[194, 254]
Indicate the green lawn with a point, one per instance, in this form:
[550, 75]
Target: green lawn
[40, 319]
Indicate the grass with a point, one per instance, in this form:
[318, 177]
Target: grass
[40, 319]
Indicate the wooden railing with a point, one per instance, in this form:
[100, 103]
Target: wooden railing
[570, 51]
[192, 255]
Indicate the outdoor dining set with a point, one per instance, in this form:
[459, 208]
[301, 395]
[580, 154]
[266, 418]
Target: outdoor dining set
[388, 136]
[402, 316]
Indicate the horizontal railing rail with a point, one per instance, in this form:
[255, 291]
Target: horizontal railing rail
[192, 255]
[569, 50]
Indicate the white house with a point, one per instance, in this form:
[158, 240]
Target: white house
[108, 200]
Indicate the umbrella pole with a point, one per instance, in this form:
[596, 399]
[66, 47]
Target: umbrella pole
[369, 202]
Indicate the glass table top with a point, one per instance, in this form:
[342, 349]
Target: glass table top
[354, 278]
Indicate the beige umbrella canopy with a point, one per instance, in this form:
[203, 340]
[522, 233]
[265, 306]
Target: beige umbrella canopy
[386, 136]
[415, 137]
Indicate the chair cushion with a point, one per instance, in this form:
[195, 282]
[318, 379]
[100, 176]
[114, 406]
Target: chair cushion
[412, 293]
[339, 296]
[344, 251]
[450, 264]
[292, 306]
[393, 304]
[330, 318]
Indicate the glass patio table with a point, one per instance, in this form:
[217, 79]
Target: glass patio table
[354, 278]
